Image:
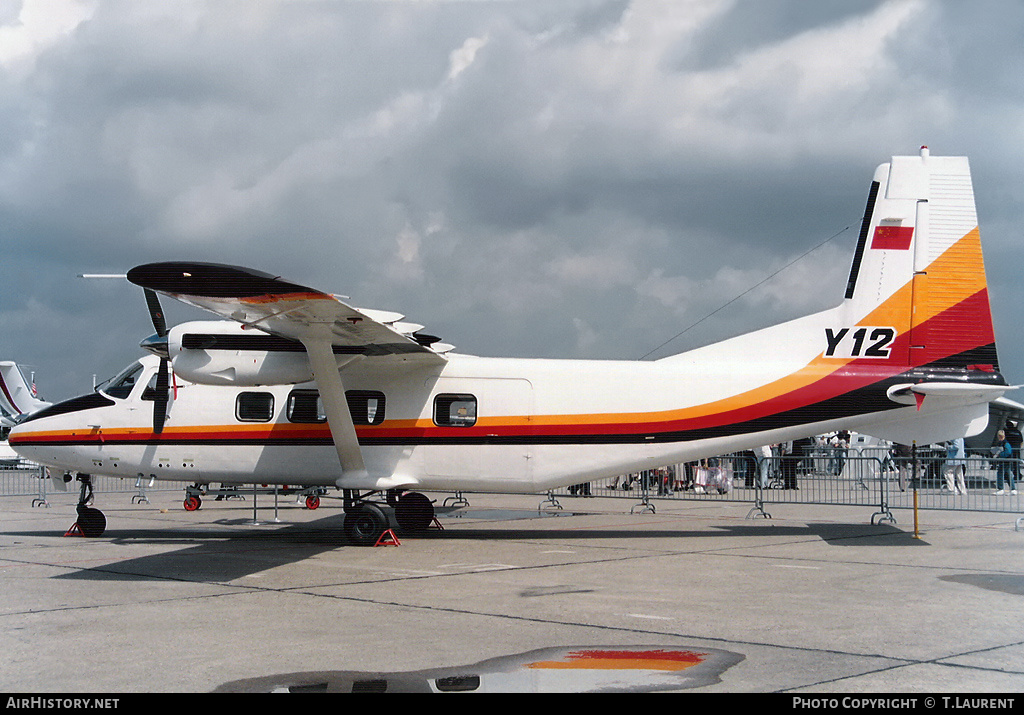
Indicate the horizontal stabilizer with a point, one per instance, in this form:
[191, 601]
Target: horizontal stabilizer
[965, 420]
[909, 394]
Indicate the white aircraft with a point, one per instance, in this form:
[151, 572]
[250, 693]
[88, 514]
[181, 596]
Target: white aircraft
[297, 387]
[17, 399]
[17, 394]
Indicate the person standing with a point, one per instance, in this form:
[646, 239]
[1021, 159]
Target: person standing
[1004, 458]
[904, 464]
[1016, 439]
[766, 464]
[955, 467]
[789, 459]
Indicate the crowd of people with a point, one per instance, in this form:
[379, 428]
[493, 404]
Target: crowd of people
[781, 465]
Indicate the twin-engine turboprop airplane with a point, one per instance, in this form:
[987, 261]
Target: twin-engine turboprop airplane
[297, 387]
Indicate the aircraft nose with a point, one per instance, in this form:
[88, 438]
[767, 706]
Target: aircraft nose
[156, 344]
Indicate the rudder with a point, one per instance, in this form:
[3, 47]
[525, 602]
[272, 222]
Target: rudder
[919, 266]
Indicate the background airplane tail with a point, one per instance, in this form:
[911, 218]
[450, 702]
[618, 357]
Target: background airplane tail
[917, 287]
[17, 396]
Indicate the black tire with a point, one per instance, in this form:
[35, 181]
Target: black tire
[91, 521]
[414, 511]
[364, 524]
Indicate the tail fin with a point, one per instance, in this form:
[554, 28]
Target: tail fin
[17, 396]
[918, 272]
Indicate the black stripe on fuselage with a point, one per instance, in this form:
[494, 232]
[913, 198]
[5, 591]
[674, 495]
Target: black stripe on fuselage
[870, 399]
[76, 404]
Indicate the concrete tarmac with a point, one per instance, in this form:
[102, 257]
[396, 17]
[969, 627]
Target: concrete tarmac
[503, 597]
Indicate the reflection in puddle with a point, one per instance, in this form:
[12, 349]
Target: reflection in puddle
[548, 670]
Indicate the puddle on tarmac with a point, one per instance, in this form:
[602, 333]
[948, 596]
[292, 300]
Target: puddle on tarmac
[582, 669]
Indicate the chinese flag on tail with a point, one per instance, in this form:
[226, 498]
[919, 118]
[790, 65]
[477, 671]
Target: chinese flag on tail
[892, 238]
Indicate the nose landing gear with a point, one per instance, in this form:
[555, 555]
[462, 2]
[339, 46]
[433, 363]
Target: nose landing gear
[91, 522]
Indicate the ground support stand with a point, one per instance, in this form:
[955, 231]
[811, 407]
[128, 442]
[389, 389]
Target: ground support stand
[758, 507]
[645, 505]
[456, 501]
[550, 503]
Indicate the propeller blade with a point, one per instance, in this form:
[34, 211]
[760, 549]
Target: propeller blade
[162, 397]
[156, 312]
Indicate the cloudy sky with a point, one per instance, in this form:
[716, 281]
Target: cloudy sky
[583, 178]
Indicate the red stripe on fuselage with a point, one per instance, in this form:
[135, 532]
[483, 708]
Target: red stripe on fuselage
[849, 378]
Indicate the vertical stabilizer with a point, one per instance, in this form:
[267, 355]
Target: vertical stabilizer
[17, 397]
[918, 269]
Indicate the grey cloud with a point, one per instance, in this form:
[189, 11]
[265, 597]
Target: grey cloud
[552, 179]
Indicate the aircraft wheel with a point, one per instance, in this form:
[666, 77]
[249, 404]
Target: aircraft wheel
[414, 511]
[364, 524]
[192, 503]
[91, 521]
[312, 502]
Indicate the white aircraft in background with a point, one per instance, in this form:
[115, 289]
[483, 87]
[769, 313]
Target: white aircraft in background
[18, 396]
[17, 399]
[296, 387]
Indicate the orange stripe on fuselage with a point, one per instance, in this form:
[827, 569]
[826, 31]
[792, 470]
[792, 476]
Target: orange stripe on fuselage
[896, 311]
[821, 379]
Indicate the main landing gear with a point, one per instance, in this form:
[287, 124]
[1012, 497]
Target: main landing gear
[366, 521]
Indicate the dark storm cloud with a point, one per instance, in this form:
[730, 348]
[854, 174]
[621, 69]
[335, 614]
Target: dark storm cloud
[579, 179]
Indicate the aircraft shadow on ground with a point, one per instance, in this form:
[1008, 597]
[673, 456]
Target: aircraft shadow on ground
[833, 534]
[213, 556]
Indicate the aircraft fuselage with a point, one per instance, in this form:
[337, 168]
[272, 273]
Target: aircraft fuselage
[510, 425]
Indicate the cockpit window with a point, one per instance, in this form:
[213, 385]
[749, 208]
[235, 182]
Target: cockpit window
[151, 392]
[122, 384]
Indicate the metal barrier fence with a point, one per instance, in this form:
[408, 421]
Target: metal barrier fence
[870, 478]
[28, 479]
[865, 478]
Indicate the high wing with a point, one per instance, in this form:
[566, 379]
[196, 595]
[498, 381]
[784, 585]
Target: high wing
[321, 322]
[260, 300]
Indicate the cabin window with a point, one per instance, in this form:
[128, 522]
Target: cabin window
[254, 407]
[306, 406]
[455, 410]
[365, 406]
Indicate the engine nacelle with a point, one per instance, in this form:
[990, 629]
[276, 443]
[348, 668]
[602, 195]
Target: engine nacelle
[220, 352]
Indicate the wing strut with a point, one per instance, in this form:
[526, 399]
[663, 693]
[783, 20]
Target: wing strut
[339, 419]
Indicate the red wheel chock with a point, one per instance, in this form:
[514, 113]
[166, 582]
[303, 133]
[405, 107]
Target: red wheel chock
[75, 530]
[388, 538]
